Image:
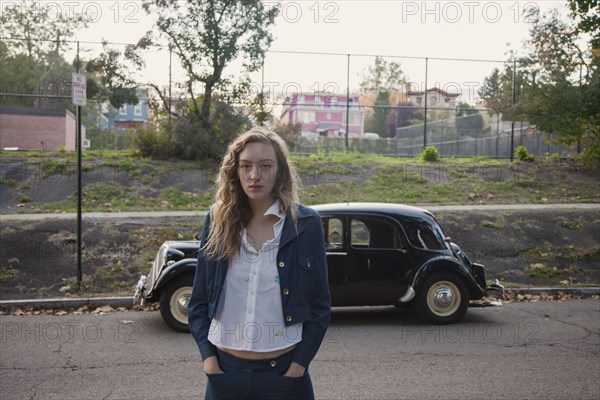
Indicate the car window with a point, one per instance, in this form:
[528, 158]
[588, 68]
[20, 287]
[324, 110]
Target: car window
[359, 234]
[373, 233]
[423, 235]
[334, 233]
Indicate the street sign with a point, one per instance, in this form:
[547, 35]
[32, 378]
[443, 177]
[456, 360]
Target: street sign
[79, 89]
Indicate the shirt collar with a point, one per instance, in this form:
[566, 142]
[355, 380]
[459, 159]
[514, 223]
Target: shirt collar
[274, 210]
[277, 227]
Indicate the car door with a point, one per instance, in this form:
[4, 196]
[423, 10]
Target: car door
[378, 260]
[335, 244]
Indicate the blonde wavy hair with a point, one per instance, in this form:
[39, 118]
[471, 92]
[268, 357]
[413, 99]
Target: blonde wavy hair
[230, 212]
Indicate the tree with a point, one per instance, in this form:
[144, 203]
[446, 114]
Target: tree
[497, 89]
[405, 114]
[32, 60]
[382, 75]
[109, 79]
[206, 36]
[586, 13]
[380, 80]
[32, 54]
[492, 90]
[381, 110]
[33, 31]
[560, 91]
[556, 81]
[468, 119]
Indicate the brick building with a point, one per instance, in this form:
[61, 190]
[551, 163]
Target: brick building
[38, 128]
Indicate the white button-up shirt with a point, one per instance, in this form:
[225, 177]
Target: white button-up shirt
[249, 314]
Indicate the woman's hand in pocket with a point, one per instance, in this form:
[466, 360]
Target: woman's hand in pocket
[211, 366]
[295, 371]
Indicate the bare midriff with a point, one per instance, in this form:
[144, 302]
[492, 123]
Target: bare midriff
[255, 355]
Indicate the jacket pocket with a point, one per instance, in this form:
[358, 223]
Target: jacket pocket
[306, 263]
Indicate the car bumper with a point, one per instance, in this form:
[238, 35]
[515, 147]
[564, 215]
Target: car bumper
[138, 297]
[495, 289]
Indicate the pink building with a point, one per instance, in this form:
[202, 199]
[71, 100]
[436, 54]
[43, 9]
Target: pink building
[38, 128]
[324, 114]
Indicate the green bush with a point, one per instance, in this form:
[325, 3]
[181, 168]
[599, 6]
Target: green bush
[53, 167]
[522, 154]
[186, 138]
[591, 145]
[151, 142]
[430, 153]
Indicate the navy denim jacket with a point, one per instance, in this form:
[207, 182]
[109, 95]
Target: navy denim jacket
[303, 280]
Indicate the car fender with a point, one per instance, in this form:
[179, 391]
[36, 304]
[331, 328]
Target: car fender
[446, 263]
[185, 266]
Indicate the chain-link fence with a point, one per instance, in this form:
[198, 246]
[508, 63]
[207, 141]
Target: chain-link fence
[422, 109]
[436, 103]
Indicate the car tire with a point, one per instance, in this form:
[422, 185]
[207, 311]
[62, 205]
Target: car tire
[443, 298]
[173, 303]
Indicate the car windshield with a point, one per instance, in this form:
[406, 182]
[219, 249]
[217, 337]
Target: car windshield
[424, 234]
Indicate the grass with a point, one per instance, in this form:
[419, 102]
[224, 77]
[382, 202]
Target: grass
[9, 182]
[52, 167]
[498, 223]
[326, 177]
[7, 274]
[574, 225]
[547, 273]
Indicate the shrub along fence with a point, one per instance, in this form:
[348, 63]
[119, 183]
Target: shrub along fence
[448, 142]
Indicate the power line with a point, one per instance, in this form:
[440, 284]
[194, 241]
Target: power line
[272, 51]
[382, 55]
[160, 46]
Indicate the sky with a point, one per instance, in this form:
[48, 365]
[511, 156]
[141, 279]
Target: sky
[405, 31]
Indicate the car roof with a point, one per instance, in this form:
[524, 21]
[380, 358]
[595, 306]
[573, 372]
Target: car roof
[387, 208]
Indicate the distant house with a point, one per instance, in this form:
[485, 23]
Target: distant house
[439, 102]
[28, 128]
[127, 116]
[324, 114]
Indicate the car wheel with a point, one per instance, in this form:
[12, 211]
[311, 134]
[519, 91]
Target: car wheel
[443, 298]
[174, 301]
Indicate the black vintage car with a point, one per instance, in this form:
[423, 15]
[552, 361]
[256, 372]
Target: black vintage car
[377, 254]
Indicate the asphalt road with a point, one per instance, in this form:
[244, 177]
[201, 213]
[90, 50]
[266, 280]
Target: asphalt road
[547, 350]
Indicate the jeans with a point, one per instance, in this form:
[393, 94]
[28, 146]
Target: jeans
[257, 380]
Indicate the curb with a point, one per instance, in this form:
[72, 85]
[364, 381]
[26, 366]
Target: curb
[114, 302]
[97, 215]
[583, 291]
[127, 302]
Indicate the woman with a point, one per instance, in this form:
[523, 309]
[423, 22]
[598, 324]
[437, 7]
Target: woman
[260, 304]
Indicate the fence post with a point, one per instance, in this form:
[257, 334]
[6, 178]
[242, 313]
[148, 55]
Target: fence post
[170, 83]
[347, 100]
[425, 102]
[514, 100]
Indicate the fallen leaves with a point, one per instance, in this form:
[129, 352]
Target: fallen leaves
[87, 309]
[516, 296]
[511, 296]
[103, 310]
